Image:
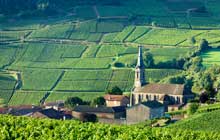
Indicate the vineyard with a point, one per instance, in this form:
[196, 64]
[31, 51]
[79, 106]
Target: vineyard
[84, 48]
[200, 122]
[27, 128]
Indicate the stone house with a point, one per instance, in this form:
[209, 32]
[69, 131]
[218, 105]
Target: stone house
[144, 111]
[116, 100]
[100, 112]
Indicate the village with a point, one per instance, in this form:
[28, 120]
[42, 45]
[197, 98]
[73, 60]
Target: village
[146, 102]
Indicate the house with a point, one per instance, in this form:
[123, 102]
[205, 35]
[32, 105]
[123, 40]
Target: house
[55, 105]
[100, 112]
[23, 110]
[48, 113]
[116, 100]
[144, 111]
[165, 93]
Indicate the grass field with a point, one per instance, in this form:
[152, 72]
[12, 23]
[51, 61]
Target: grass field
[27, 97]
[163, 36]
[211, 57]
[7, 84]
[53, 31]
[34, 79]
[86, 96]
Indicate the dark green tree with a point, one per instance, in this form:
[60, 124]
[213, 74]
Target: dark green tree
[192, 40]
[98, 101]
[115, 91]
[148, 60]
[203, 45]
[73, 101]
[193, 107]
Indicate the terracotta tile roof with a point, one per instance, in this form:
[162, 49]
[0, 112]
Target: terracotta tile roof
[169, 89]
[109, 97]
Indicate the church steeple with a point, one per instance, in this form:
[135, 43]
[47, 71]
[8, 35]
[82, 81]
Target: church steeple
[139, 70]
[140, 62]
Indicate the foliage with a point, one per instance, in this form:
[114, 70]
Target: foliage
[203, 97]
[98, 101]
[200, 122]
[148, 60]
[115, 91]
[204, 45]
[193, 107]
[56, 129]
[73, 101]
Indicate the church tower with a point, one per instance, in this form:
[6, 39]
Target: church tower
[139, 70]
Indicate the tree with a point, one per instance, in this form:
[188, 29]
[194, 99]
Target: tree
[206, 82]
[115, 91]
[204, 45]
[73, 101]
[192, 40]
[204, 97]
[98, 101]
[149, 60]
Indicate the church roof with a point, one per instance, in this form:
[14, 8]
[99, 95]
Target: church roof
[169, 89]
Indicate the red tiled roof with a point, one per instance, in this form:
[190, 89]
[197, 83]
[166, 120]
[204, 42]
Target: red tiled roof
[109, 97]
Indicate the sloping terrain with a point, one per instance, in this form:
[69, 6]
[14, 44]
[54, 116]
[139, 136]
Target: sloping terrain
[82, 48]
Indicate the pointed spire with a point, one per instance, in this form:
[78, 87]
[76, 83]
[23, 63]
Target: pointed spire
[140, 63]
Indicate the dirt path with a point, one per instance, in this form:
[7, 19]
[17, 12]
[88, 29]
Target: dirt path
[52, 88]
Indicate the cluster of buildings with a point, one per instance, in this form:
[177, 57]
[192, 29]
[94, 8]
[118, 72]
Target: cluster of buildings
[147, 101]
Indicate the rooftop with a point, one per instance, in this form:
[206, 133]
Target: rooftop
[150, 104]
[114, 97]
[100, 109]
[169, 89]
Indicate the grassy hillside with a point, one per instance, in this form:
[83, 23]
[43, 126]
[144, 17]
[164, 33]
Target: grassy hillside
[64, 48]
[204, 121]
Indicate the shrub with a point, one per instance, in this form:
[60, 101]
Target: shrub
[193, 107]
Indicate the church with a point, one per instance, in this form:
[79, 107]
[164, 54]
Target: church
[168, 94]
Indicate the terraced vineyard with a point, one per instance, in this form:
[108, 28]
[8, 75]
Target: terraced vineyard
[88, 48]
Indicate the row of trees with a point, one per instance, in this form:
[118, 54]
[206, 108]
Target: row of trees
[73, 101]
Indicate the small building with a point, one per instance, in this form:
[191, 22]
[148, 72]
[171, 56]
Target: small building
[48, 113]
[55, 105]
[116, 100]
[23, 110]
[144, 111]
[101, 111]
